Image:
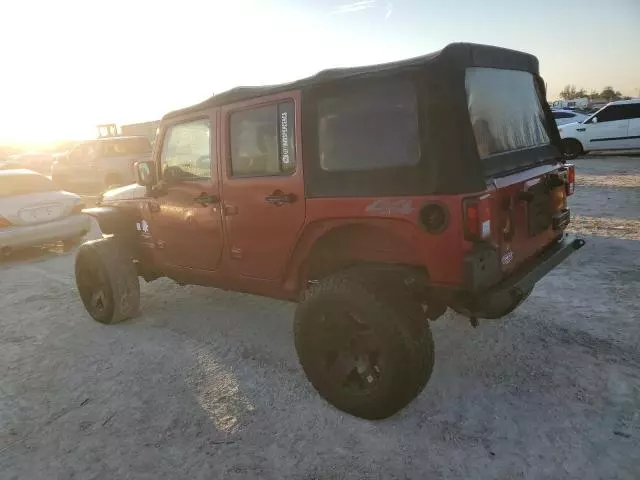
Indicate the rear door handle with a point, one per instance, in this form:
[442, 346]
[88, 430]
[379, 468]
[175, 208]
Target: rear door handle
[204, 199]
[278, 198]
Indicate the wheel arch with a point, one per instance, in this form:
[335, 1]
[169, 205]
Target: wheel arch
[326, 247]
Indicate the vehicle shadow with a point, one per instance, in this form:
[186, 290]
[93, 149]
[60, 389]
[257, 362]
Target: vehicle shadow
[34, 254]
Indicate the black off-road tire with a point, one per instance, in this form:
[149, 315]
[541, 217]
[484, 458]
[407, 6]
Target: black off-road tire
[572, 147]
[397, 321]
[107, 281]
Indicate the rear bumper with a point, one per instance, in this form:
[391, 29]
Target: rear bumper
[526, 277]
[31, 235]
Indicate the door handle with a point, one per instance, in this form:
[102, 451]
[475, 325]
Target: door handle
[204, 199]
[278, 198]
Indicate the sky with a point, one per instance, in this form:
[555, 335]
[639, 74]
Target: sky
[68, 65]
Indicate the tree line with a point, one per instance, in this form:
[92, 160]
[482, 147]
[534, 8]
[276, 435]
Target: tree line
[608, 93]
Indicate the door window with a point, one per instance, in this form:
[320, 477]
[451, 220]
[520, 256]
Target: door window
[263, 141]
[611, 114]
[187, 151]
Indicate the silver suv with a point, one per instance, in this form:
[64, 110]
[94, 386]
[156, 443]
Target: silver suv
[104, 162]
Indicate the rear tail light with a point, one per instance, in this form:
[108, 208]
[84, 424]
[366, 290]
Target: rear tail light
[477, 218]
[78, 207]
[571, 179]
[4, 222]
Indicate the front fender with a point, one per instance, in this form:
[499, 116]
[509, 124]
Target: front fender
[113, 220]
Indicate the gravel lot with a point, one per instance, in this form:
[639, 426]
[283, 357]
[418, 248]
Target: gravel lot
[205, 384]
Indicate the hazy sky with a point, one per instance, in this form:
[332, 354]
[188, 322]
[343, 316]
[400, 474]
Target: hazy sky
[68, 65]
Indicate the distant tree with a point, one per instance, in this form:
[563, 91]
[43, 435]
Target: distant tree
[569, 92]
[609, 94]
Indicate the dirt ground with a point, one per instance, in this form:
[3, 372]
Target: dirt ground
[205, 384]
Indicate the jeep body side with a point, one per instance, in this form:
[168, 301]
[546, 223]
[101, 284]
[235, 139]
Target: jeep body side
[386, 193]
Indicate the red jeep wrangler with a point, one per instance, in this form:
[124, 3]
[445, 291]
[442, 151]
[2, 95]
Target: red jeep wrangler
[374, 197]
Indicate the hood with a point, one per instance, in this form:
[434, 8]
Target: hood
[128, 192]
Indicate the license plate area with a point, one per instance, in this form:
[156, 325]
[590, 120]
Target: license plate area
[41, 214]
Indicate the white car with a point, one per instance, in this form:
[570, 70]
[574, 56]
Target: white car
[33, 211]
[615, 126]
[567, 116]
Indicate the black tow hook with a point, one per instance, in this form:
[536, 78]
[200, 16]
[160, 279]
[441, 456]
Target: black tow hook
[474, 322]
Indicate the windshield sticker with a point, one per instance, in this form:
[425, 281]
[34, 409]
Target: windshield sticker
[390, 207]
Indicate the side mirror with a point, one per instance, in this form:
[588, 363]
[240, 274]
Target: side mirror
[146, 173]
[594, 120]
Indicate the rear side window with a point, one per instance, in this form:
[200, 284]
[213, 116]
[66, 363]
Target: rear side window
[24, 184]
[263, 141]
[505, 110]
[372, 128]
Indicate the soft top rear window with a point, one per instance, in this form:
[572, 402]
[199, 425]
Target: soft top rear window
[505, 110]
[24, 183]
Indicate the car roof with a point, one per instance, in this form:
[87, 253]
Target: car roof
[625, 102]
[18, 171]
[453, 53]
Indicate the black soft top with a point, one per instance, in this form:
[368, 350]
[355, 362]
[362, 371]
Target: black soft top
[457, 55]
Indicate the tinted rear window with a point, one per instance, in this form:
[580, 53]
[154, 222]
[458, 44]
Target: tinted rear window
[374, 127]
[505, 109]
[23, 184]
[126, 146]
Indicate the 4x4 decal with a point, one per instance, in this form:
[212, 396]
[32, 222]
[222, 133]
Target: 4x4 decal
[389, 206]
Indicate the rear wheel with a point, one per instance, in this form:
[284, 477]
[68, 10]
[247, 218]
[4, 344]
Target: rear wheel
[107, 281]
[572, 147]
[364, 343]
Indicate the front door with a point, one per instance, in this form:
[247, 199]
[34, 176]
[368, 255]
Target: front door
[185, 223]
[263, 190]
[609, 131]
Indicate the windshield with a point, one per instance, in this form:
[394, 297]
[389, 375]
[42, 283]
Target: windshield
[505, 109]
[25, 183]
[126, 146]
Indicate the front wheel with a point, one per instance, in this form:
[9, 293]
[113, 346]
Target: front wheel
[364, 344]
[107, 281]
[572, 147]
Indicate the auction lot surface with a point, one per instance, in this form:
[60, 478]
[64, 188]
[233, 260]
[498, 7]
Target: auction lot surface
[205, 384]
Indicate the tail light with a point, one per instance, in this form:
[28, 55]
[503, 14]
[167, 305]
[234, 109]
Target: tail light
[477, 218]
[571, 179]
[4, 222]
[78, 207]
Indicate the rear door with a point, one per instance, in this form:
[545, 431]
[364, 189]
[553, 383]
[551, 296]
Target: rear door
[633, 135]
[262, 190]
[608, 129]
[185, 223]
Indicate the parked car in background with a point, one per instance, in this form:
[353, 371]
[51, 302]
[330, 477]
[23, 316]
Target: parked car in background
[105, 162]
[33, 211]
[567, 116]
[614, 127]
[36, 161]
